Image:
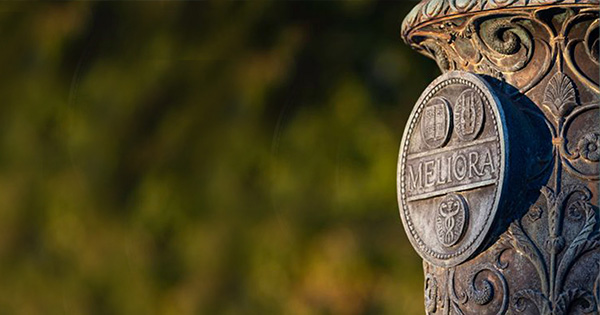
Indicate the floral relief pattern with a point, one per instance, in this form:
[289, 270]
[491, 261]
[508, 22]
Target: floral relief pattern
[589, 147]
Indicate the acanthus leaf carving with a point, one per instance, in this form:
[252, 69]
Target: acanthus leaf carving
[582, 242]
[567, 298]
[524, 245]
[539, 300]
[553, 297]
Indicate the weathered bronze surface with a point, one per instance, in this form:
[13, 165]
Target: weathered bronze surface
[498, 168]
[451, 168]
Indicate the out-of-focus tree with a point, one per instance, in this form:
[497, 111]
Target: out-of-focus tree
[215, 157]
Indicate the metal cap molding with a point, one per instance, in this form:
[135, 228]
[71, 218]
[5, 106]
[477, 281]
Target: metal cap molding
[430, 10]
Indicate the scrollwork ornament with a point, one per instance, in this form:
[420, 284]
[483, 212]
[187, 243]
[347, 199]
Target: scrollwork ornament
[592, 43]
[483, 295]
[585, 148]
[504, 43]
[503, 37]
[483, 292]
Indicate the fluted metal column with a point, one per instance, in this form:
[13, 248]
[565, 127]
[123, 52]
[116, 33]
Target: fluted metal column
[499, 163]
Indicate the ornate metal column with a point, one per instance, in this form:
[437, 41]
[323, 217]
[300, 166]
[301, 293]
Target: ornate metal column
[498, 168]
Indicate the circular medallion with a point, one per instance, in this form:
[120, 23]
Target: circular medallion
[468, 115]
[450, 182]
[436, 126]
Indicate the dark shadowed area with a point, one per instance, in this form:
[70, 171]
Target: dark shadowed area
[218, 157]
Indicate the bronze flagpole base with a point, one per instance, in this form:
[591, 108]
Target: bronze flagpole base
[499, 163]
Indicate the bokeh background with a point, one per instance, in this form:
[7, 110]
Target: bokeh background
[217, 157]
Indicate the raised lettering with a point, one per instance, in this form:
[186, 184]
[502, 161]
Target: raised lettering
[473, 160]
[440, 171]
[449, 169]
[414, 181]
[429, 173]
[487, 161]
[460, 167]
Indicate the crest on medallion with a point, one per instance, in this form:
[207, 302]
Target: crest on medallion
[468, 115]
[451, 219]
[435, 126]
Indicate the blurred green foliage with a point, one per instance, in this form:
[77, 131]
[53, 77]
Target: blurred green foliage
[216, 157]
